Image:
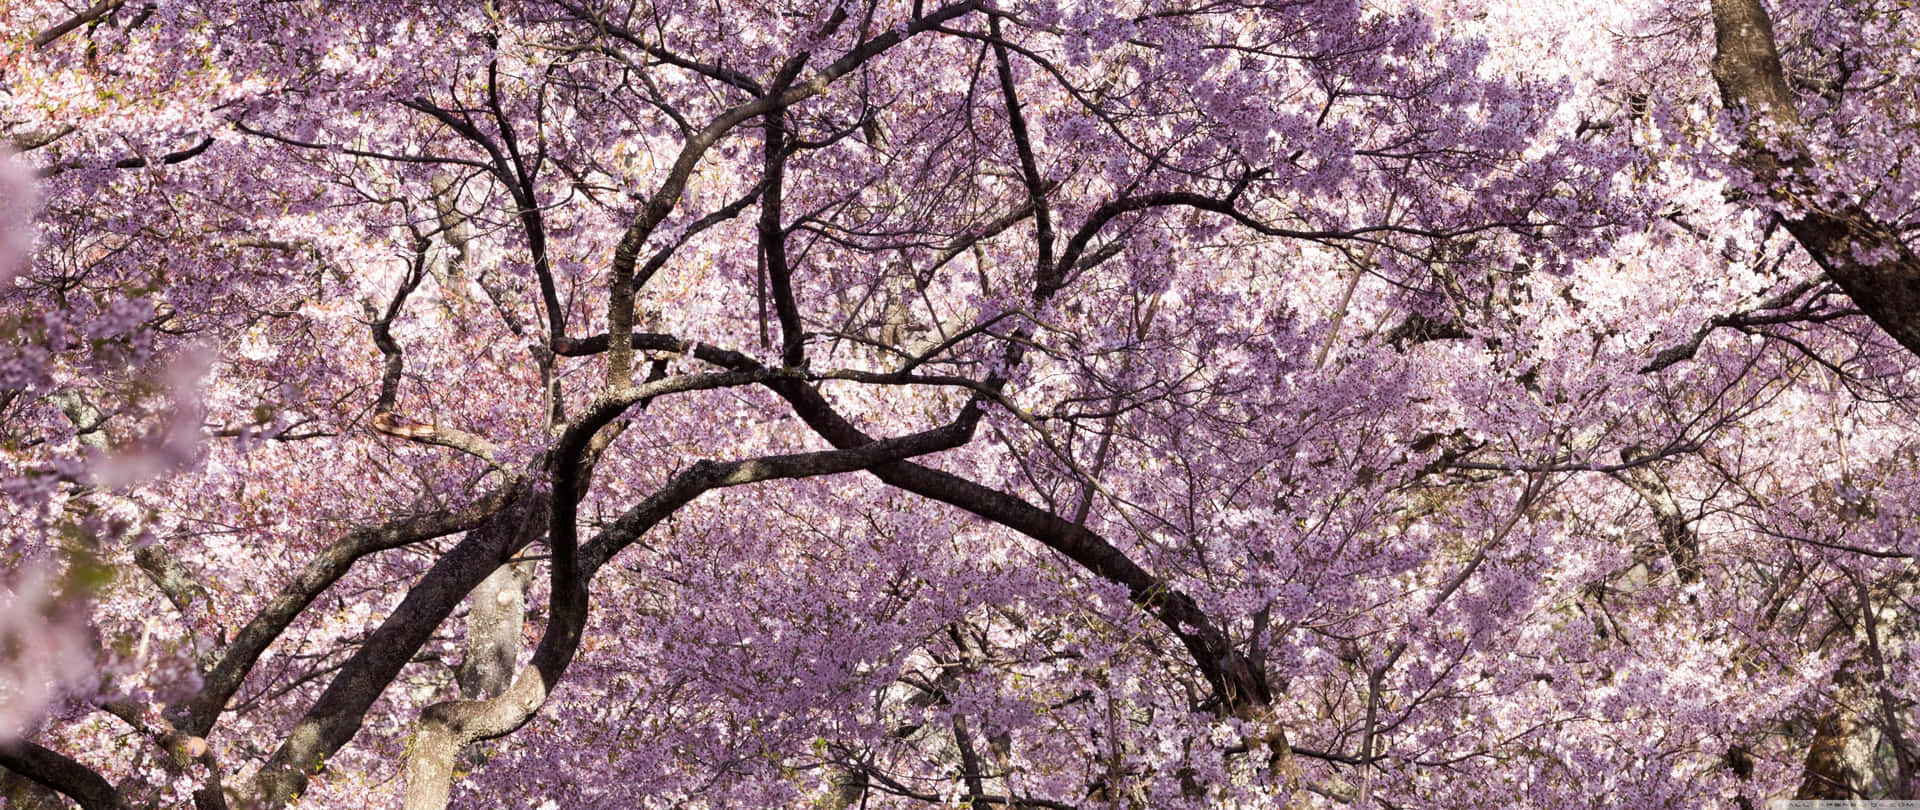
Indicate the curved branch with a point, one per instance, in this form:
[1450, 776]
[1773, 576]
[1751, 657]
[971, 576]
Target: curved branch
[508, 168]
[59, 772]
[717, 72]
[336, 716]
[1867, 258]
[1237, 684]
[658, 206]
[319, 574]
[446, 728]
[168, 159]
[93, 13]
[324, 147]
[1226, 206]
[1046, 272]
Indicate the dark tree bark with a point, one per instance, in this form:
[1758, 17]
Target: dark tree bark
[54, 770]
[1867, 258]
[447, 728]
[17, 791]
[1831, 772]
[336, 717]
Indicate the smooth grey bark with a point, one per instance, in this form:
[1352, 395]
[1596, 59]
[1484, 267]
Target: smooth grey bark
[454, 231]
[496, 616]
[88, 422]
[1678, 542]
[497, 611]
[182, 588]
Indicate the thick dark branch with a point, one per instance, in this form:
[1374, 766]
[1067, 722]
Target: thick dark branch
[1045, 273]
[608, 406]
[532, 222]
[385, 420]
[1236, 684]
[1227, 206]
[626, 254]
[1869, 260]
[1236, 681]
[1891, 706]
[57, 771]
[394, 358]
[315, 578]
[93, 13]
[335, 148]
[706, 475]
[167, 159]
[888, 784]
[518, 179]
[1746, 64]
[719, 73]
[903, 378]
[773, 234]
[569, 467]
[1769, 312]
[657, 342]
[445, 728]
[1876, 268]
[727, 212]
[1567, 464]
[336, 716]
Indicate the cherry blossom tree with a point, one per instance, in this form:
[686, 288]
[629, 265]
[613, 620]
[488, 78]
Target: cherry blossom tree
[559, 403]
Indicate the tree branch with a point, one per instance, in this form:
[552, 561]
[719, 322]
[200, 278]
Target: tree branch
[319, 574]
[55, 770]
[1867, 258]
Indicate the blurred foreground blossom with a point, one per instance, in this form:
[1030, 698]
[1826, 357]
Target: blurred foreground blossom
[42, 652]
[17, 202]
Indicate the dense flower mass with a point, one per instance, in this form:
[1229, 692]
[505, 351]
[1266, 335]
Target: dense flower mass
[994, 403]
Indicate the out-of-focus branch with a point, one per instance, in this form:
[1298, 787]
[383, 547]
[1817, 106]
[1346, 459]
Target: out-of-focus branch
[60, 772]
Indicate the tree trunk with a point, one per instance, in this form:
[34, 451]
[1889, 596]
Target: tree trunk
[494, 622]
[1869, 260]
